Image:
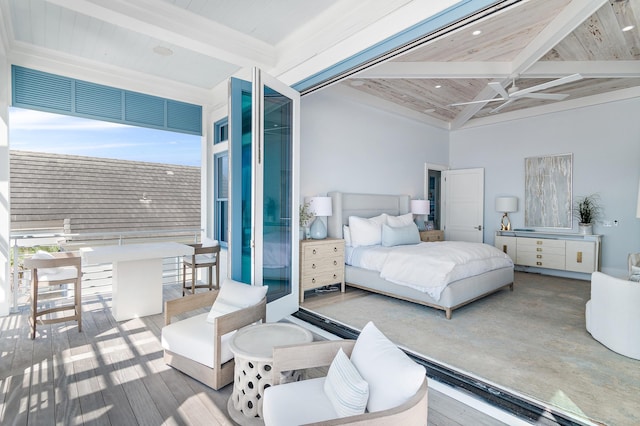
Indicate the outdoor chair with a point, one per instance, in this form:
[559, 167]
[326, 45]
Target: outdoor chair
[199, 345]
[205, 255]
[49, 273]
[370, 381]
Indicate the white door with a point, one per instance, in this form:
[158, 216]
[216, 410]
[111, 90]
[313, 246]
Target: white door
[264, 160]
[464, 205]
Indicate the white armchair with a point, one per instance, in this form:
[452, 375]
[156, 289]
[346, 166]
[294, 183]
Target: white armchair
[199, 345]
[612, 314]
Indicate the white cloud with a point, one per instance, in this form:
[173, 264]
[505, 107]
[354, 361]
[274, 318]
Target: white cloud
[25, 119]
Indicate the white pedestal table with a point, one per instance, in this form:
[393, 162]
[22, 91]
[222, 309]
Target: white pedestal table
[137, 275]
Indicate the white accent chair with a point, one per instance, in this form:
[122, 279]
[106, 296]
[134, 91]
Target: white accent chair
[397, 386]
[612, 314]
[199, 345]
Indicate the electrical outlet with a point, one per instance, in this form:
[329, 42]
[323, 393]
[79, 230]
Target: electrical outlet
[615, 223]
[607, 223]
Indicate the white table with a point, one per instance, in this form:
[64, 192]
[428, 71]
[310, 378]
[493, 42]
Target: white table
[137, 275]
[253, 353]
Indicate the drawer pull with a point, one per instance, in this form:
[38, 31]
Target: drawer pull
[539, 242]
[579, 257]
[335, 276]
[539, 249]
[335, 249]
[314, 251]
[313, 266]
[539, 263]
[504, 248]
[538, 256]
[335, 263]
[313, 280]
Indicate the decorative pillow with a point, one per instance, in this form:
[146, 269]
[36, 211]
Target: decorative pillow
[41, 254]
[345, 388]
[346, 234]
[396, 236]
[234, 296]
[392, 376]
[208, 242]
[366, 232]
[402, 220]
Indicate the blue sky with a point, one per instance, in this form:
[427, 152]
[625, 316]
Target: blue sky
[60, 134]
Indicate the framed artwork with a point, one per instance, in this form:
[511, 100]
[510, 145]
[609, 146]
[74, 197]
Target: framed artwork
[548, 191]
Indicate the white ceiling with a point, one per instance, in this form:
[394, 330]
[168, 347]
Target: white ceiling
[187, 49]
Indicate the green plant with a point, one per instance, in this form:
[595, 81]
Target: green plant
[305, 215]
[587, 209]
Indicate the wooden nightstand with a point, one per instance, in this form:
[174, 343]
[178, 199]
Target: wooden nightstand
[321, 264]
[431, 235]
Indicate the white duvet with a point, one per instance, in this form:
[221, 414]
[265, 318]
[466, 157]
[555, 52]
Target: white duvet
[429, 267]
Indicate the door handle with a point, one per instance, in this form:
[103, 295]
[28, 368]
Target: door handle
[479, 227]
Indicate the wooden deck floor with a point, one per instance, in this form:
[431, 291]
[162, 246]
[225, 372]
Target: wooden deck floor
[113, 373]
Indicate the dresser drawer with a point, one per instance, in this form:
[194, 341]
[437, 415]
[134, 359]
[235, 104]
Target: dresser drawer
[531, 245]
[541, 260]
[320, 279]
[319, 251]
[316, 264]
[321, 264]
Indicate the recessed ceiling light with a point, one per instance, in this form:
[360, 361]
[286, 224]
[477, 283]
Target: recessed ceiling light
[476, 32]
[162, 51]
[628, 28]
[437, 86]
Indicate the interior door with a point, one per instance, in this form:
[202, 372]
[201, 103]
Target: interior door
[263, 161]
[464, 205]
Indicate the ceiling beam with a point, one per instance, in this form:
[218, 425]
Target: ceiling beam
[588, 69]
[177, 26]
[417, 70]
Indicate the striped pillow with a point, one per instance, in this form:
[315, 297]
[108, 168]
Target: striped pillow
[345, 388]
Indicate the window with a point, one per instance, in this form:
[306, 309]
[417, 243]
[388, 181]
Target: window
[221, 131]
[221, 188]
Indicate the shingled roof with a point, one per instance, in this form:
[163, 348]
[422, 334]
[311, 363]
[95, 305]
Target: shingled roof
[101, 195]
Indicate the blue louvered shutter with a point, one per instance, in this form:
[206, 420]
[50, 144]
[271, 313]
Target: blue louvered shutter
[52, 93]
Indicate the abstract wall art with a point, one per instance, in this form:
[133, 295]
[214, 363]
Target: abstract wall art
[548, 191]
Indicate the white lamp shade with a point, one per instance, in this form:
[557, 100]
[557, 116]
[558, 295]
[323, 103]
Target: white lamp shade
[507, 204]
[320, 206]
[420, 206]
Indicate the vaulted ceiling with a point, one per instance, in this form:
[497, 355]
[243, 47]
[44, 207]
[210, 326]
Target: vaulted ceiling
[193, 46]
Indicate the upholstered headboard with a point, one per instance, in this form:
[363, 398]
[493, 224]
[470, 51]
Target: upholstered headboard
[362, 205]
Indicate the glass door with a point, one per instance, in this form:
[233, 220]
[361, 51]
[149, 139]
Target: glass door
[264, 157]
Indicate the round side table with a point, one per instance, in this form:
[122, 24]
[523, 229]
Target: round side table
[253, 353]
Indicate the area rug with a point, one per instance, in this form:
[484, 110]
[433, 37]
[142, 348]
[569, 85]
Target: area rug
[531, 341]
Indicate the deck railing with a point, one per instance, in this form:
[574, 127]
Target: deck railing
[95, 278]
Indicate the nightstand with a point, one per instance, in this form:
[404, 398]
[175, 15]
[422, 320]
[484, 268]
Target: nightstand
[321, 264]
[431, 235]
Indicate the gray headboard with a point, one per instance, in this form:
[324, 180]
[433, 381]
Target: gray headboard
[363, 205]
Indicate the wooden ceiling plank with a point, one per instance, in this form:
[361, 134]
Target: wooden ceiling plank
[425, 70]
[588, 69]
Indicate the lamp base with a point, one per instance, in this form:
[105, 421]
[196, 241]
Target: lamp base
[505, 223]
[318, 229]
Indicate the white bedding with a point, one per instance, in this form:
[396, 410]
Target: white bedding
[429, 267]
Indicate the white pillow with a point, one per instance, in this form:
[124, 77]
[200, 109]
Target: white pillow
[41, 255]
[346, 234]
[392, 376]
[402, 220]
[366, 232]
[208, 242]
[234, 296]
[345, 388]
[396, 236]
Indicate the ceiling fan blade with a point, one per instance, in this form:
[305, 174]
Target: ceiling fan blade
[549, 96]
[499, 89]
[493, 111]
[547, 85]
[477, 102]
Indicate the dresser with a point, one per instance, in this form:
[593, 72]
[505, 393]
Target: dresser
[566, 252]
[432, 235]
[321, 264]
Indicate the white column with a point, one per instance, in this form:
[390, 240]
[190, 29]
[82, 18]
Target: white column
[5, 225]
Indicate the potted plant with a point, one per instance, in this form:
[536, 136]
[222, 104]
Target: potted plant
[305, 219]
[587, 210]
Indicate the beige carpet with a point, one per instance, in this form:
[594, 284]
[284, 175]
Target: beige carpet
[532, 341]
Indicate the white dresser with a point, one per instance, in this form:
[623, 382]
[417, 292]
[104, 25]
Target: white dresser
[549, 250]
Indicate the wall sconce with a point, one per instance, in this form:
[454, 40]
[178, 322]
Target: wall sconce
[319, 206]
[506, 205]
[420, 207]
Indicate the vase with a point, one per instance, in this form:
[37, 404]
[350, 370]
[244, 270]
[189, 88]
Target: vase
[585, 228]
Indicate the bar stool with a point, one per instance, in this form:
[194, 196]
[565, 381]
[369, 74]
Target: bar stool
[205, 255]
[54, 269]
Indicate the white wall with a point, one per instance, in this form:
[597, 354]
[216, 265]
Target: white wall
[351, 147]
[5, 285]
[605, 142]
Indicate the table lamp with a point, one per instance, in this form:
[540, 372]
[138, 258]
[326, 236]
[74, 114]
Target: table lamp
[319, 206]
[420, 207]
[506, 205]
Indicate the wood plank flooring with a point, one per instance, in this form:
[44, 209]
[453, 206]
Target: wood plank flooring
[113, 373]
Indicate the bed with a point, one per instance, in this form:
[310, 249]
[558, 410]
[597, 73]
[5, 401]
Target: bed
[457, 293]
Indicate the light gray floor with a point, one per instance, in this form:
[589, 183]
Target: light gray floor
[112, 373]
[531, 341]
